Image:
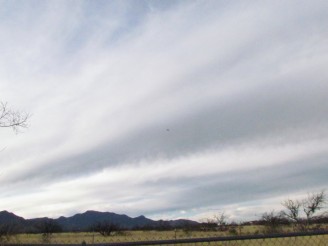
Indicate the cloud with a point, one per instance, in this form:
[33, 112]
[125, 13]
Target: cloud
[162, 102]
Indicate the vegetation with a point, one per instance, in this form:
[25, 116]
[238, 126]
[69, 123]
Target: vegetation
[6, 231]
[274, 222]
[301, 215]
[131, 236]
[105, 228]
[47, 228]
[310, 206]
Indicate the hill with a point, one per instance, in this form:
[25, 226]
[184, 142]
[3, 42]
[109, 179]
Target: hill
[85, 221]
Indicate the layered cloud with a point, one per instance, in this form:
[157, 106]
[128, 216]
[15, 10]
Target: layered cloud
[156, 108]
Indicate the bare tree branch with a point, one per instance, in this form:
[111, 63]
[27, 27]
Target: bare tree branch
[293, 209]
[12, 119]
[313, 203]
[221, 221]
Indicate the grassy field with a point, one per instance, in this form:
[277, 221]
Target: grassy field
[131, 236]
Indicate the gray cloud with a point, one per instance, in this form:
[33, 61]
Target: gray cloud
[220, 190]
[266, 113]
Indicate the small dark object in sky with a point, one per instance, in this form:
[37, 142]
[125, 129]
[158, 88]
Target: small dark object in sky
[167, 130]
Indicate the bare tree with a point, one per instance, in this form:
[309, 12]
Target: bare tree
[310, 206]
[293, 210]
[217, 223]
[221, 221]
[12, 119]
[273, 222]
[313, 203]
[105, 228]
[47, 227]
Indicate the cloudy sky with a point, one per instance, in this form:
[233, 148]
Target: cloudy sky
[170, 109]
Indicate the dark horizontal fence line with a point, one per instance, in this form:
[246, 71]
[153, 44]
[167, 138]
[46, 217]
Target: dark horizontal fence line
[195, 240]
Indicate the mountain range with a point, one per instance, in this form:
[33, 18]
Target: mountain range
[86, 220]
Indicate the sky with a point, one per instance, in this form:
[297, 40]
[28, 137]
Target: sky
[168, 109]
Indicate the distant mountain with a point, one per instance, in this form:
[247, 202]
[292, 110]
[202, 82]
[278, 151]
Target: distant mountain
[182, 223]
[84, 221]
[10, 218]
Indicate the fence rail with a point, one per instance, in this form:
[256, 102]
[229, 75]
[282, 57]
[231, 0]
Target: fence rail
[312, 238]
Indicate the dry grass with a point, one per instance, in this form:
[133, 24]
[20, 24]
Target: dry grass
[131, 236]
